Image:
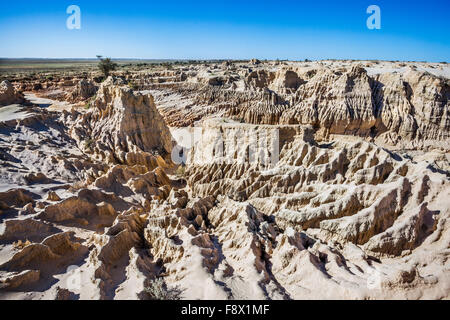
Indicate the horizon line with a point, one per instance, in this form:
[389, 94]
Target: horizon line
[221, 59]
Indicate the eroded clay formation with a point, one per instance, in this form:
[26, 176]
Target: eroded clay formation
[353, 204]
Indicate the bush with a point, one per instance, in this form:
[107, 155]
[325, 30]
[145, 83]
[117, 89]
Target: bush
[133, 85]
[90, 103]
[106, 66]
[157, 290]
[89, 143]
[181, 170]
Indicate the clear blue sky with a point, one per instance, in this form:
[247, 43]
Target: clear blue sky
[296, 29]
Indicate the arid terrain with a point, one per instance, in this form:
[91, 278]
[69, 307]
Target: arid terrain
[226, 180]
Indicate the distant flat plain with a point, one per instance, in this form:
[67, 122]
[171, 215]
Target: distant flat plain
[11, 66]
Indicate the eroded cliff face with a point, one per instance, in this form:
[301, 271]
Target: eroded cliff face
[121, 125]
[405, 110]
[401, 105]
[344, 215]
[86, 204]
[289, 193]
[9, 95]
[415, 108]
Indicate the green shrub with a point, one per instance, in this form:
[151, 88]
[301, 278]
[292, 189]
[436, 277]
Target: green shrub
[90, 103]
[106, 66]
[88, 143]
[133, 85]
[181, 170]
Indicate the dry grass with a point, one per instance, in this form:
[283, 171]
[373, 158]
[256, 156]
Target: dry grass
[21, 244]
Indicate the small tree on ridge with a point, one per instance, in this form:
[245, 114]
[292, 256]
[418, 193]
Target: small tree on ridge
[106, 65]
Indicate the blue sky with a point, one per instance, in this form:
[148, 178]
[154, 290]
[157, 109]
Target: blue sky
[296, 29]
